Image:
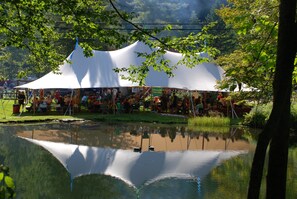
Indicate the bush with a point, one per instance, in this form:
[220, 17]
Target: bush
[255, 120]
[7, 187]
[259, 115]
[294, 116]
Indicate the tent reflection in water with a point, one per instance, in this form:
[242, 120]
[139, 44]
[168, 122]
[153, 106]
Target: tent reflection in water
[98, 71]
[136, 169]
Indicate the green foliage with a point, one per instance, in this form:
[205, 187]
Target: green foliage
[43, 27]
[235, 170]
[255, 120]
[7, 187]
[189, 46]
[48, 29]
[292, 173]
[294, 121]
[258, 116]
[253, 61]
[225, 37]
[184, 17]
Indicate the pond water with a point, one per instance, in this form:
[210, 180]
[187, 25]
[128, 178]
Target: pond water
[117, 160]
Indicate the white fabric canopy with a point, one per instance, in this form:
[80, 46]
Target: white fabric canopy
[97, 71]
[136, 169]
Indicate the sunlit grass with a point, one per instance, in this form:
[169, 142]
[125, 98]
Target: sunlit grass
[209, 121]
[6, 115]
[6, 107]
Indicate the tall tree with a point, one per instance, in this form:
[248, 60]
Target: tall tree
[253, 61]
[225, 40]
[46, 28]
[40, 27]
[276, 131]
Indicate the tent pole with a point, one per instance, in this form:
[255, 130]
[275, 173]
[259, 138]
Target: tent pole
[233, 112]
[192, 103]
[34, 102]
[3, 108]
[2, 100]
[114, 95]
[71, 98]
[69, 105]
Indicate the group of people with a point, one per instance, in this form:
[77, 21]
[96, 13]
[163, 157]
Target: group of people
[169, 102]
[44, 102]
[111, 100]
[183, 103]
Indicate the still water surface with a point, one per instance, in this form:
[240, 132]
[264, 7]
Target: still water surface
[100, 160]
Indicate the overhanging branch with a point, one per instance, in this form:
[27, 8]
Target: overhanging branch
[134, 25]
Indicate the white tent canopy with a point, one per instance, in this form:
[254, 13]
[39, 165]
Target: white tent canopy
[97, 71]
[136, 169]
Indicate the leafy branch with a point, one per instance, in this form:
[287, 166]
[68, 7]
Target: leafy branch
[7, 187]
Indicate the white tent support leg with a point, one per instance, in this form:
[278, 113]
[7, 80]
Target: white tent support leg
[34, 101]
[192, 103]
[3, 108]
[233, 112]
[147, 91]
[2, 102]
[69, 109]
[21, 110]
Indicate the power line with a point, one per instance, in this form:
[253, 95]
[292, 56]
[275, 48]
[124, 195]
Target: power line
[152, 23]
[130, 29]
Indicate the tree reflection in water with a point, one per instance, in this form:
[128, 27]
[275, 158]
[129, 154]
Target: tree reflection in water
[127, 136]
[38, 175]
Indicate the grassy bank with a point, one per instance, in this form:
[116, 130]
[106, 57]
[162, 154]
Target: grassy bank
[212, 124]
[7, 116]
[210, 121]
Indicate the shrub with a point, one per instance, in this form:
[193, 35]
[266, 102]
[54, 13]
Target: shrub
[7, 187]
[294, 116]
[259, 115]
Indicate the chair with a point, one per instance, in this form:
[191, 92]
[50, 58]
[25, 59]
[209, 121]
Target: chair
[43, 107]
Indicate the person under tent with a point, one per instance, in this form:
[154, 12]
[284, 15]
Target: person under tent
[21, 99]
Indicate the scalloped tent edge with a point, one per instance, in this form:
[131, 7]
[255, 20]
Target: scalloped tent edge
[135, 169]
[78, 71]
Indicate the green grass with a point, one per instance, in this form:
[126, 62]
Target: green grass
[210, 124]
[210, 121]
[7, 116]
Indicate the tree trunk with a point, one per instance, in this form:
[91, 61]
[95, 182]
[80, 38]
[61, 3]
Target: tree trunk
[276, 131]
